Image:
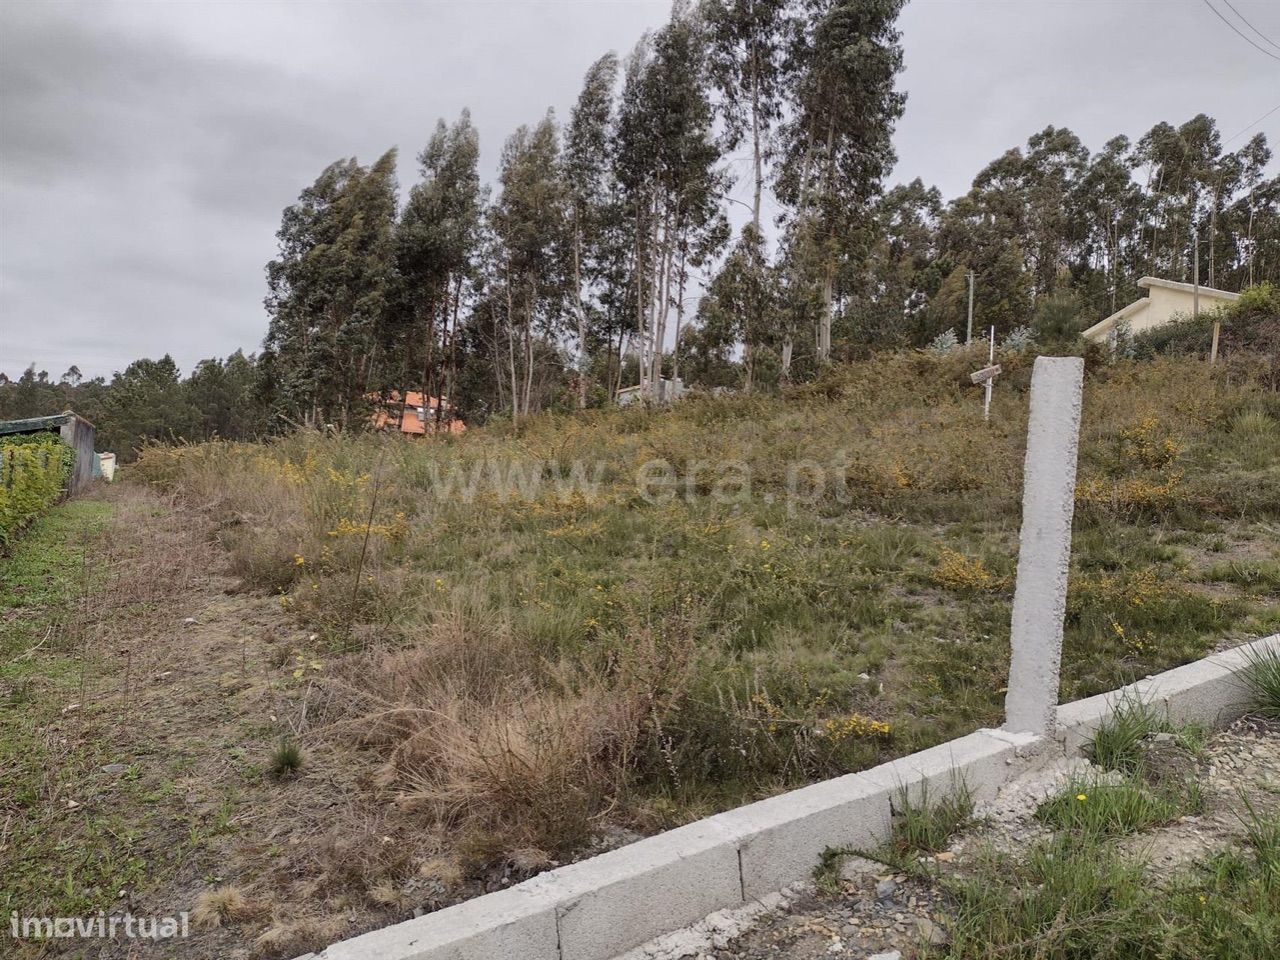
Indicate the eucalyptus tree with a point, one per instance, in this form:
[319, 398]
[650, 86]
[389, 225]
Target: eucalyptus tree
[836, 146]
[1180, 164]
[746, 46]
[587, 172]
[738, 298]
[436, 243]
[1251, 219]
[1110, 209]
[530, 223]
[328, 290]
[667, 168]
[904, 267]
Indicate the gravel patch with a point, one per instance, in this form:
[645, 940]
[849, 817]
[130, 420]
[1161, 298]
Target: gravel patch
[878, 914]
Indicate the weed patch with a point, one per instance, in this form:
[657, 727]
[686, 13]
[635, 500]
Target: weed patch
[1262, 677]
[1100, 808]
[511, 640]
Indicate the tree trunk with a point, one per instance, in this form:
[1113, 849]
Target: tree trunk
[757, 163]
[528, 349]
[829, 267]
[675, 350]
[511, 352]
[497, 362]
[452, 333]
[582, 314]
[663, 307]
[642, 282]
[428, 359]
[1213, 230]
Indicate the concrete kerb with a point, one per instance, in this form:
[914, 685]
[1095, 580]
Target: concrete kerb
[1208, 691]
[518, 922]
[781, 839]
[620, 899]
[605, 906]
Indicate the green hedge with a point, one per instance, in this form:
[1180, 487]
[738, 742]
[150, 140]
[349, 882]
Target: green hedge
[33, 474]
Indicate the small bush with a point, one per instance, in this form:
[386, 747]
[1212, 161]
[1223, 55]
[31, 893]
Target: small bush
[220, 905]
[955, 571]
[287, 757]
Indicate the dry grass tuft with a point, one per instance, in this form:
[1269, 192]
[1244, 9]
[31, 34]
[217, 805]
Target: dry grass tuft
[516, 753]
[220, 905]
[446, 872]
[287, 938]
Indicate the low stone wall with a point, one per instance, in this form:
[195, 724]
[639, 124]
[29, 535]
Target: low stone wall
[603, 907]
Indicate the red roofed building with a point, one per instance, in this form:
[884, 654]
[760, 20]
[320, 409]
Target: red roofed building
[415, 415]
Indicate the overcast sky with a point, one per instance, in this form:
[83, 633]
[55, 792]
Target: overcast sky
[147, 148]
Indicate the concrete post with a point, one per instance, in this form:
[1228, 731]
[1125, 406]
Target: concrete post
[1044, 548]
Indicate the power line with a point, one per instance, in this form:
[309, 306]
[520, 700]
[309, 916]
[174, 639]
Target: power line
[1250, 25]
[1247, 39]
[1252, 125]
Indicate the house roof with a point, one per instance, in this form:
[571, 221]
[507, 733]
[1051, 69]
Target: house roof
[1211, 292]
[36, 424]
[1146, 283]
[414, 398]
[1102, 326]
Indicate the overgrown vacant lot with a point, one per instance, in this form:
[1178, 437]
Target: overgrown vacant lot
[445, 665]
[534, 650]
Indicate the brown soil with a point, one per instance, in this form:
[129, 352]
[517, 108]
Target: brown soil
[197, 684]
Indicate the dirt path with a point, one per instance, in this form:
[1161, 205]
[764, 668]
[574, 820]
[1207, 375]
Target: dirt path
[156, 707]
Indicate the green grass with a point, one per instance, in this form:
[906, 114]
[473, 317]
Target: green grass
[1262, 677]
[1262, 576]
[43, 573]
[1118, 743]
[740, 627]
[922, 824]
[57, 859]
[1096, 807]
[1077, 896]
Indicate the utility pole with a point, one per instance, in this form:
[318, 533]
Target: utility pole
[1195, 273]
[1195, 296]
[968, 336]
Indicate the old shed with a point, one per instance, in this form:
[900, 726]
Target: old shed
[75, 431]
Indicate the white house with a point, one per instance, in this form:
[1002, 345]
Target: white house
[1165, 299]
[659, 391]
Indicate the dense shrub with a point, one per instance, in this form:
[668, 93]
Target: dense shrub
[1249, 333]
[33, 474]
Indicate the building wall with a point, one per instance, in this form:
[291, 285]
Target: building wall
[78, 434]
[1161, 305]
[1166, 304]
